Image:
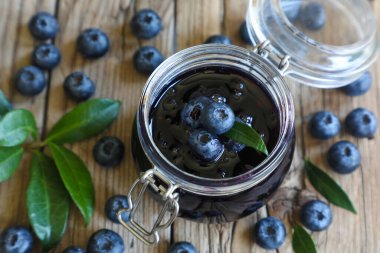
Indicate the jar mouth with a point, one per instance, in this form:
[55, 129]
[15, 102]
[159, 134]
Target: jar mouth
[226, 56]
[323, 58]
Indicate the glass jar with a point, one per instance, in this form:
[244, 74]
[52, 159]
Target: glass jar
[204, 199]
[334, 55]
[282, 47]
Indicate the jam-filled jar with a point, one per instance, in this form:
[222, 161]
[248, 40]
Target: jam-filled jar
[242, 182]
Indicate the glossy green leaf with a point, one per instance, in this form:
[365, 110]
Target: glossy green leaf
[77, 179]
[5, 105]
[302, 241]
[86, 120]
[327, 186]
[247, 135]
[10, 158]
[16, 126]
[47, 201]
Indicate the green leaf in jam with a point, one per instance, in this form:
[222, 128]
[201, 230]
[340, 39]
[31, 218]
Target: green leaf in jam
[47, 201]
[302, 241]
[10, 158]
[247, 135]
[16, 126]
[327, 187]
[86, 120]
[76, 178]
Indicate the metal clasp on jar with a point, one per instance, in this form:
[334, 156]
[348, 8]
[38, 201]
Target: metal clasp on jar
[165, 188]
[264, 49]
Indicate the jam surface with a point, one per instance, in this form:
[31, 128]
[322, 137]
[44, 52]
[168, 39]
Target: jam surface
[248, 99]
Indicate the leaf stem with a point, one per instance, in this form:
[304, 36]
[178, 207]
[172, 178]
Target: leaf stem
[31, 146]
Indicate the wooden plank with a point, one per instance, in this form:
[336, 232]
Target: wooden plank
[16, 46]
[115, 77]
[196, 21]
[348, 232]
[280, 204]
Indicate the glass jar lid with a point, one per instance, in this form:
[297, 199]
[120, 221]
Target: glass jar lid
[331, 43]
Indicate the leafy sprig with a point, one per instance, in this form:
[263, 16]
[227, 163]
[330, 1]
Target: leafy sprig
[328, 188]
[302, 241]
[58, 180]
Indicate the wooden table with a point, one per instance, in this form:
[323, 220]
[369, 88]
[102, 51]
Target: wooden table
[186, 23]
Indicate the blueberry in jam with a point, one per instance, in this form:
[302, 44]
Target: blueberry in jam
[189, 119]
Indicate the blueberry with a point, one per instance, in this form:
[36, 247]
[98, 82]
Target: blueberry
[205, 145]
[182, 247]
[361, 123]
[146, 24]
[192, 111]
[316, 215]
[16, 240]
[30, 81]
[93, 43]
[108, 151]
[105, 241]
[43, 26]
[270, 233]
[324, 125]
[147, 59]
[73, 249]
[113, 205]
[291, 8]
[313, 16]
[219, 39]
[344, 157]
[218, 118]
[78, 86]
[243, 32]
[46, 56]
[360, 86]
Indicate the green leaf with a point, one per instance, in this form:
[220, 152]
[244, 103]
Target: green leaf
[5, 105]
[10, 158]
[326, 186]
[47, 201]
[77, 179]
[247, 135]
[87, 119]
[302, 241]
[16, 126]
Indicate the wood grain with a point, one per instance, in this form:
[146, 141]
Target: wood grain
[185, 23]
[16, 45]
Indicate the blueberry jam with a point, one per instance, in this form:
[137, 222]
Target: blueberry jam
[245, 96]
[252, 104]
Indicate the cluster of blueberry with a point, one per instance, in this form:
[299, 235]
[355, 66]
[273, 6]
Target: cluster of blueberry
[92, 43]
[30, 80]
[344, 156]
[208, 119]
[20, 240]
[270, 232]
[146, 24]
